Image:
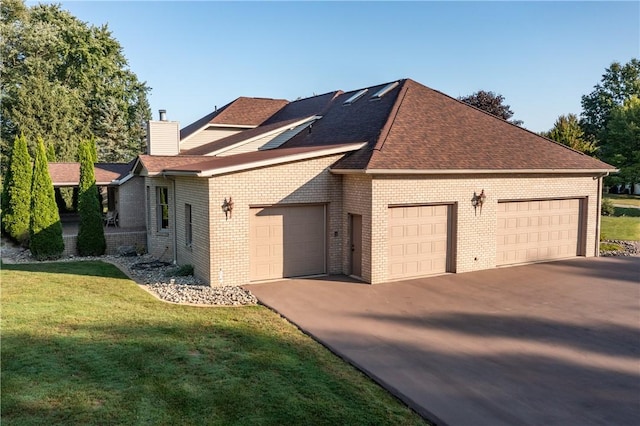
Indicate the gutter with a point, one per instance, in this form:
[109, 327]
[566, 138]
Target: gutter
[467, 171]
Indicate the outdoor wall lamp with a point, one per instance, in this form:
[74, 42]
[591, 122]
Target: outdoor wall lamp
[227, 208]
[477, 201]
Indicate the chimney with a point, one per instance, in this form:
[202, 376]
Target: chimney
[163, 136]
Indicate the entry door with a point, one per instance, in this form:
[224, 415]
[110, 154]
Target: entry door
[356, 245]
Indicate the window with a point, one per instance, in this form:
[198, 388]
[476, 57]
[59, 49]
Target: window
[188, 226]
[162, 208]
[355, 97]
[386, 89]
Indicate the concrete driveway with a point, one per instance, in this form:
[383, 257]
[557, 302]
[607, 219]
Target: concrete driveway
[553, 343]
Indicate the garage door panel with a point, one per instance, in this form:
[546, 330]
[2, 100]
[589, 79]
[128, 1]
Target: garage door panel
[417, 241]
[286, 241]
[543, 230]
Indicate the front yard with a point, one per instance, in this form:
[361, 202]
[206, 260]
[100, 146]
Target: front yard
[625, 222]
[83, 344]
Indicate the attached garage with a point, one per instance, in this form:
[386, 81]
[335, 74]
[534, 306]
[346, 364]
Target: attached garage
[539, 230]
[418, 241]
[287, 241]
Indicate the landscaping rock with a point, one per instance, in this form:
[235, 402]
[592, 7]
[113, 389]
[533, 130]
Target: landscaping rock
[628, 248]
[127, 251]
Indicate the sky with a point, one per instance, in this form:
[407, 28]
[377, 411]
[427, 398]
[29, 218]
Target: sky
[541, 56]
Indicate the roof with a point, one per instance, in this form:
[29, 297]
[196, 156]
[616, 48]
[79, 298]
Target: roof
[411, 129]
[210, 166]
[68, 174]
[156, 164]
[229, 141]
[428, 130]
[244, 111]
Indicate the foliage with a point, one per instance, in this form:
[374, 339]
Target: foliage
[64, 80]
[607, 208]
[93, 348]
[491, 103]
[622, 136]
[91, 240]
[618, 84]
[17, 192]
[620, 228]
[567, 131]
[45, 228]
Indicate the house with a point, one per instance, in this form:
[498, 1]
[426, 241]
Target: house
[383, 183]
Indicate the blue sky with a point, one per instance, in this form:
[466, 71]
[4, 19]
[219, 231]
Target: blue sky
[541, 56]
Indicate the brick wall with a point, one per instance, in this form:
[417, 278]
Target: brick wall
[114, 240]
[131, 208]
[160, 242]
[474, 237]
[294, 183]
[357, 200]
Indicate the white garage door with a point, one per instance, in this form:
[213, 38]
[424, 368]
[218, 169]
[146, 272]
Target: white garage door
[531, 231]
[418, 241]
[287, 242]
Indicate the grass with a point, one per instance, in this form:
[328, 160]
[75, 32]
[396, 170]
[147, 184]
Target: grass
[620, 228]
[82, 344]
[610, 247]
[624, 200]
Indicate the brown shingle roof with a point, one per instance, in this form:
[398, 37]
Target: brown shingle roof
[69, 173]
[315, 105]
[428, 130]
[240, 112]
[155, 164]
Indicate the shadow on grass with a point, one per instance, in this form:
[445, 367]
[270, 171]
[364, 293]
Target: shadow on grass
[87, 268]
[626, 211]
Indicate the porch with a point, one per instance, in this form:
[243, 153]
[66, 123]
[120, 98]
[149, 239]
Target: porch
[115, 236]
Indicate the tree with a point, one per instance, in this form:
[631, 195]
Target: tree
[45, 228]
[618, 84]
[623, 140]
[567, 131]
[17, 193]
[58, 73]
[91, 241]
[491, 103]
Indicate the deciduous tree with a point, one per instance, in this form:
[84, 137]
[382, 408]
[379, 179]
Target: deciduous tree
[64, 80]
[45, 228]
[623, 140]
[492, 103]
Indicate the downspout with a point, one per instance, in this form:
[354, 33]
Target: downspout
[175, 220]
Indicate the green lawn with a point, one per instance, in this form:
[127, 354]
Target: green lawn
[82, 344]
[620, 228]
[624, 200]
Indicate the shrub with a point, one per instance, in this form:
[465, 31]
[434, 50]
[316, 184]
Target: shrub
[17, 192]
[607, 208]
[91, 241]
[45, 229]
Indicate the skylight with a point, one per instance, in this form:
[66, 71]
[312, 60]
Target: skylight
[355, 97]
[386, 89]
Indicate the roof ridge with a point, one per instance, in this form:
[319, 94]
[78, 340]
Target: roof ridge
[384, 132]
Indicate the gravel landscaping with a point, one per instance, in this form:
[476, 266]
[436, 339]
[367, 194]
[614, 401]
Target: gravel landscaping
[628, 248]
[157, 277]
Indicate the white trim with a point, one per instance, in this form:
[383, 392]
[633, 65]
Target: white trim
[281, 129]
[214, 126]
[268, 162]
[465, 171]
[124, 179]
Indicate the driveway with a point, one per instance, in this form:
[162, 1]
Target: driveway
[551, 343]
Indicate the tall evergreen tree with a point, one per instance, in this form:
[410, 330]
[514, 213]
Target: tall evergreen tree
[17, 192]
[91, 241]
[45, 228]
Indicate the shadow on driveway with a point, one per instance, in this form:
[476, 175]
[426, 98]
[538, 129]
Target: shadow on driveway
[552, 343]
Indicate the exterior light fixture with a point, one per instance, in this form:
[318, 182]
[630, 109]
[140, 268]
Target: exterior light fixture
[227, 208]
[477, 201]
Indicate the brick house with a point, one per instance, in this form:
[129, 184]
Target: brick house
[383, 183]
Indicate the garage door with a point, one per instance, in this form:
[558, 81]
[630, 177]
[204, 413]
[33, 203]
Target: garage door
[287, 242]
[418, 241]
[531, 231]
